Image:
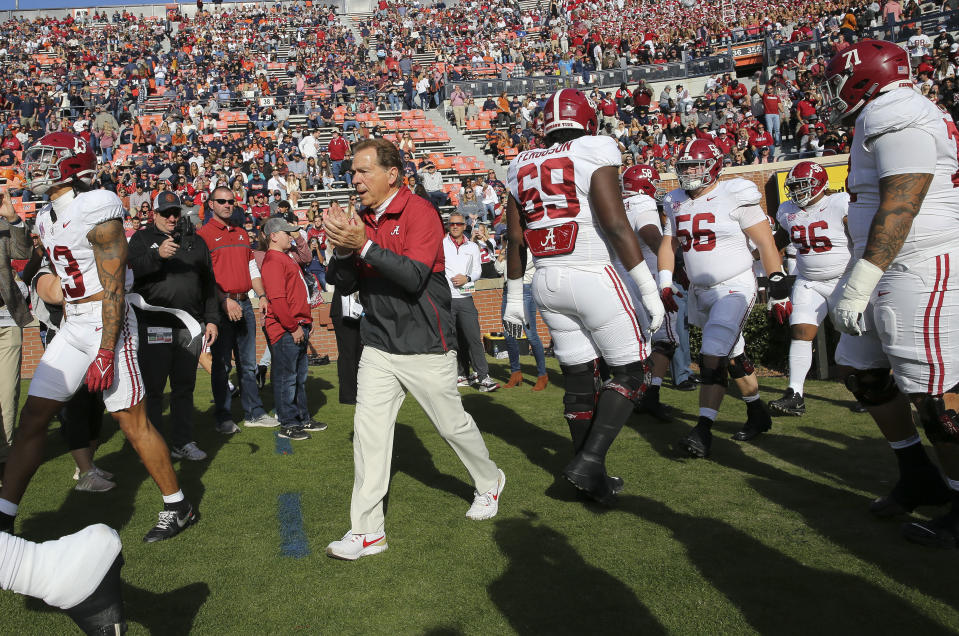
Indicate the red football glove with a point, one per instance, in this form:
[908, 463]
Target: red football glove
[781, 310]
[100, 373]
[668, 301]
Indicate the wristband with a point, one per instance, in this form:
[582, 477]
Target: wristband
[665, 278]
[862, 279]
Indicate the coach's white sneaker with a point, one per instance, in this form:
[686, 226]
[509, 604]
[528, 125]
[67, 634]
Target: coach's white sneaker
[486, 505]
[353, 546]
[103, 473]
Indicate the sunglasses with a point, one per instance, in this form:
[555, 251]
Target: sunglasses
[168, 213]
[224, 201]
[457, 224]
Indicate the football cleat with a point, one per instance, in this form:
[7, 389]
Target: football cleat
[941, 532]
[698, 442]
[757, 421]
[588, 474]
[923, 487]
[791, 403]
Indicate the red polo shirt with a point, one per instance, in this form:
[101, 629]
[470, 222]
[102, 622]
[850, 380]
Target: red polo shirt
[338, 148]
[286, 290]
[231, 254]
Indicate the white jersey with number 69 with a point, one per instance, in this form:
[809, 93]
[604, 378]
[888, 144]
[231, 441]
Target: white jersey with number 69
[552, 186]
[710, 229]
[66, 244]
[819, 235]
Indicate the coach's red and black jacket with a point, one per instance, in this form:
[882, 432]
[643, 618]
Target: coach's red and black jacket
[401, 280]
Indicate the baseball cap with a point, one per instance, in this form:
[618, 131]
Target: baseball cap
[278, 224]
[166, 201]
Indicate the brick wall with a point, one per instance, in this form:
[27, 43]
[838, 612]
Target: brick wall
[489, 294]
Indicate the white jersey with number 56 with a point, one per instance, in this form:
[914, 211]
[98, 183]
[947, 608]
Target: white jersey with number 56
[552, 186]
[819, 236]
[902, 132]
[66, 244]
[710, 229]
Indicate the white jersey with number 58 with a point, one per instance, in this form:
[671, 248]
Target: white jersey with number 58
[710, 229]
[819, 236]
[66, 244]
[902, 132]
[552, 186]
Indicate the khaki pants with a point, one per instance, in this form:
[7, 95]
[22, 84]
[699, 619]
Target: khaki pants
[382, 382]
[459, 113]
[11, 347]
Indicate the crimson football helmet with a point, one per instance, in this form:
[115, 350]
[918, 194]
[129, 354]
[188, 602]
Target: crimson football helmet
[569, 108]
[57, 159]
[698, 165]
[642, 179]
[859, 73]
[806, 181]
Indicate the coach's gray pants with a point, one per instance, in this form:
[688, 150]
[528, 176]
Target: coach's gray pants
[382, 382]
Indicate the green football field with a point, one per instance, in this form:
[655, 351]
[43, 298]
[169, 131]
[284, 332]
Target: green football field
[768, 537]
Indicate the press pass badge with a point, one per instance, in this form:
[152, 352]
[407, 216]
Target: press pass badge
[159, 335]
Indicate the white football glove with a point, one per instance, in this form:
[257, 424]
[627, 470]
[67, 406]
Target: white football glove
[848, 302]
[514, 317]
[649, 294]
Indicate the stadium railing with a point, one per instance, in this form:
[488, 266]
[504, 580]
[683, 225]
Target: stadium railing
[603, 79]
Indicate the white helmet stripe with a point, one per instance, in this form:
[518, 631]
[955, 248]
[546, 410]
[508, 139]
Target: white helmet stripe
[556, 105]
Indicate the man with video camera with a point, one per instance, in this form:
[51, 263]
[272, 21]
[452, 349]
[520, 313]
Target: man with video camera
[173, 273]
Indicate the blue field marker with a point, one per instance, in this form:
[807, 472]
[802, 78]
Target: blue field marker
[283, 446]
[293, 541]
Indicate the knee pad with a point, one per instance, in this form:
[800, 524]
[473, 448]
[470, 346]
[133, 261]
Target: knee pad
[664, 347]
[712, 376]
[740, 366]
[872, 387]
[629, 380]
[941, 424]
[582, 387]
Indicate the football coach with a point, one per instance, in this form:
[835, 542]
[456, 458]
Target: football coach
[393, 254]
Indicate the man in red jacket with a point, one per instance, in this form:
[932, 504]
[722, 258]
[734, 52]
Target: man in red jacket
[288, 323]
[338, 149]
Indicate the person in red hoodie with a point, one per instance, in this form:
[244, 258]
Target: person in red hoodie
[288, 323]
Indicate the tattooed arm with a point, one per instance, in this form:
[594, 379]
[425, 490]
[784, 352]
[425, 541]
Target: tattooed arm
[110, 253]
[900, 196]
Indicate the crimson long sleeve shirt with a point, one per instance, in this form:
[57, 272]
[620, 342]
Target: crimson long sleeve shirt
[287, 294]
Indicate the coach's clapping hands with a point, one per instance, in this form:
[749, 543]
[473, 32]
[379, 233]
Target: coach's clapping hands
[343, 231]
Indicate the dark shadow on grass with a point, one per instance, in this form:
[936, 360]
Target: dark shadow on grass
[543, 448]
[411, 457]
[171, 612]
[764, 584]
[840, 515]
[548, 588]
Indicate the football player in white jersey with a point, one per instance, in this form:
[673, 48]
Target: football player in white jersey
[898, 303]
[813, 220]
[713, 222]
[641, 194]
[565, 205]
[82, 234]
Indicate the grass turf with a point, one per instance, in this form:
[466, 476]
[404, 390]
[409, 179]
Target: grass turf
[769, 537]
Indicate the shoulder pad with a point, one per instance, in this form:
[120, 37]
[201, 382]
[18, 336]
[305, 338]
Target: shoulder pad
[98, 206]
[839, 199]
[893, 111]
[598, 149]
[743, 191]
[785, 209]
